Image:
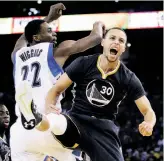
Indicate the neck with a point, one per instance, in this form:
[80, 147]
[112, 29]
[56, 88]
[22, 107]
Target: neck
[33, 43]
[2, 133]
[107, 65]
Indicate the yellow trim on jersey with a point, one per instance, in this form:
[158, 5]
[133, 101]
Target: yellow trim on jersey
[104, 76]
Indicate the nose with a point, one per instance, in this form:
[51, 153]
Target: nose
[116, 41]
[54, 34]
[6, 116]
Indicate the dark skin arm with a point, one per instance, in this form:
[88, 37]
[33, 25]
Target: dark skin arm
[54, 13]
[70, 47]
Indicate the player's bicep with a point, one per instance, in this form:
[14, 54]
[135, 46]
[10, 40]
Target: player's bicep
[76, 70]
[21, 42]
[136, 89]
[70, 47]
[64, 49]
[143, 104]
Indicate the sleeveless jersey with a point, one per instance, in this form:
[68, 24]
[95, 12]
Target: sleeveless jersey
[37, 65]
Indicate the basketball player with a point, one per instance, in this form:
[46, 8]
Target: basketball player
[40, 64]
[5, 154]
[101, 83]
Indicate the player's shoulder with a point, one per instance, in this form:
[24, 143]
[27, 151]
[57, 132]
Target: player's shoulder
[3, 142]
[42, 45]
[39, 45]
[125, 70]
[91, 59]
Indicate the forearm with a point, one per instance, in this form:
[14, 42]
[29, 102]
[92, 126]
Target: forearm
[150, 117]
[46, 19]
[93, 39]
[84, 44]
[61, 85]
[88, 42]
[52, 96]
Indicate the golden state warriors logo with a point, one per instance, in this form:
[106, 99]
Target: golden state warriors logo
[99, 93]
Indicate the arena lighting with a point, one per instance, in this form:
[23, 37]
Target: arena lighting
[33, 11]
[39, 1]
[116, 1]
[67, 23]
[128, 44]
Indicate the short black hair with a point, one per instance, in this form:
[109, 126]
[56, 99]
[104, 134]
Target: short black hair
[32, 28]
[118, 28]
[1, 99]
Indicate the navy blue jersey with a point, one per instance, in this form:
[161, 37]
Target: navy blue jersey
[99, 94]
[5, 154]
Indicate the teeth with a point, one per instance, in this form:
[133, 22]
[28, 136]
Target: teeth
[114, 49]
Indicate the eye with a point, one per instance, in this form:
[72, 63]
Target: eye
[121, 40]
[112, 38]
[49, 30]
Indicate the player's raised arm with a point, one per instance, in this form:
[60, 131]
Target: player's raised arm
[69, 47]
[54, 13]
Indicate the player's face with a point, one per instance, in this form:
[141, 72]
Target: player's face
[46, 34]
[114, 44]
[4, 117]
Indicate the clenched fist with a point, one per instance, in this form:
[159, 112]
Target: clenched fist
[98, 28]
[145, 128]
[55, 11]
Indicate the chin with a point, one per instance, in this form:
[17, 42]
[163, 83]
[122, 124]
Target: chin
[112, 60]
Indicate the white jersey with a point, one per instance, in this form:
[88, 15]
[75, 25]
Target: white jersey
[37, 65]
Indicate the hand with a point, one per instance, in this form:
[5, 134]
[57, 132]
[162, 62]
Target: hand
[53, 109]
[55, 12]
[145, 128]
[99, 28]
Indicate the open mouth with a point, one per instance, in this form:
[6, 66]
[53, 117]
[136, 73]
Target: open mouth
[113, 51]
[6, 122]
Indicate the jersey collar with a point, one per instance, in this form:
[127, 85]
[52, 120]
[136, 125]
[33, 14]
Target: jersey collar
[104, 75]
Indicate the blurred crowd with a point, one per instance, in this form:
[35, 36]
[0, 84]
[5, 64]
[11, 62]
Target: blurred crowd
[135, 146]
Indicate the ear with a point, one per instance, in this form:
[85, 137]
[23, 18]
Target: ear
[36, 37]
[102, 42]
[124, 48]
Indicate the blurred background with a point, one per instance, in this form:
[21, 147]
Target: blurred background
[143, 24]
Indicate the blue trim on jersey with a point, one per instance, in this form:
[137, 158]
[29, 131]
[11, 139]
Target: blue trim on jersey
[77, 153]
[14, 65]
[45, 158]
[53, 66]
[51, 158]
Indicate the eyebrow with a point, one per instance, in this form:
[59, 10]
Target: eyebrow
[3, 111]
[119, 37]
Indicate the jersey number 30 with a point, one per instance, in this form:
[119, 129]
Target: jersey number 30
[34, 69]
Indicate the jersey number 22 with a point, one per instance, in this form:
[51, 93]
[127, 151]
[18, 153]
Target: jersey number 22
[35, 69]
